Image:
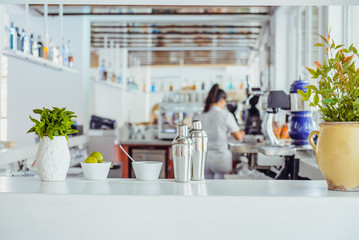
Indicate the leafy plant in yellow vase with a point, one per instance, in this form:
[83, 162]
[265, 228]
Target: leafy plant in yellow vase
[336, 96]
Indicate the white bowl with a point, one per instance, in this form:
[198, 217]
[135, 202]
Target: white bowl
[96, 171]
[147, 170]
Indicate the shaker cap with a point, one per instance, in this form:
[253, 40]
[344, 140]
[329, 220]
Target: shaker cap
[181, 130]
[196, 124]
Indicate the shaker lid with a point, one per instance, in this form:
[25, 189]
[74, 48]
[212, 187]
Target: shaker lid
[182, 130]
[196, 124]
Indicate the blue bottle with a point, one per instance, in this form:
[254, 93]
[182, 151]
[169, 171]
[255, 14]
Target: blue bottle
[102, 73]
[301, 122]
[65, 56]
[13, 37]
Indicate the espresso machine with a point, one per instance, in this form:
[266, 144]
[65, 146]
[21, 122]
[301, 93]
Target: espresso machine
[301, 124]
[300, 120]
[272, 151]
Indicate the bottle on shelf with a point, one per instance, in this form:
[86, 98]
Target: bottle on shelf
[50, 49]
[35, 49]
[109, 72]
[64, 54]
[171, 87]
[45, 49]
[24, 42]
[70, 56]
[18, 39]
[230, 86]
[13, 37]
[102, 71]
[40, 47]
[31, 44]
[56, 54]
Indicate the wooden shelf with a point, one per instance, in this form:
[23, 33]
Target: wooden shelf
[37, 60]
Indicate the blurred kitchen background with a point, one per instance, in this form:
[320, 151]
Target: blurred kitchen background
[131, 73]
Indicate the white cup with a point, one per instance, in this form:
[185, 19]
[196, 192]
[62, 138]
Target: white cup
[147, 170]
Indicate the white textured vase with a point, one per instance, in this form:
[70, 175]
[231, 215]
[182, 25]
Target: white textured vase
[53, 158]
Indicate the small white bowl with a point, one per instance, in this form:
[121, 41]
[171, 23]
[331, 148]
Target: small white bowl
[96, 171]
[147, 170]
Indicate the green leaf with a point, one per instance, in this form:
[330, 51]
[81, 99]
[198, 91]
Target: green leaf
[333, 45]
[311, 71]
[308, 93]
[301, 93]
[37, 111]
[339, 46]
[53, 122]
[324, 39]
[329, 101]
[313, 87]
[319, 45]
[31, 130]
[34, 120]
[354, 50]
[316, 99]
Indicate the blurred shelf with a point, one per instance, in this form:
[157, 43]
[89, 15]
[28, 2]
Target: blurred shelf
[116, 85]
[37, 60]
[109, 84]
[9, 155]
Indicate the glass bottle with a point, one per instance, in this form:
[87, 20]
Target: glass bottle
[31, 43]
[18, 39]
[70, 56]
[64, 54]
[13, 37]
[102, 71]
[45, 49]
[50, 50]
[24, 42]
[40, 47]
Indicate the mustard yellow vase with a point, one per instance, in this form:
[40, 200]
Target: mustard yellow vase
[337, 153]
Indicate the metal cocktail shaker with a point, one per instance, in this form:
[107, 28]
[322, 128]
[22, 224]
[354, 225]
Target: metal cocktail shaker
[199, 154]
[182, 152]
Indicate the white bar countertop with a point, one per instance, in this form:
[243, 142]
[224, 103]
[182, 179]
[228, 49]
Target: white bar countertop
[164, 209]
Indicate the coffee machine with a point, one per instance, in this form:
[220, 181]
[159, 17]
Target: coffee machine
[300, 120]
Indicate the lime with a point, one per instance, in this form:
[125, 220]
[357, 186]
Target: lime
[90, 160]
[98, 156]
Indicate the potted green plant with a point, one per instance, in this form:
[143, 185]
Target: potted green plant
[336, 97]
[53, 155]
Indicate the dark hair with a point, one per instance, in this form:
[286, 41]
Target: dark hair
[214, 95]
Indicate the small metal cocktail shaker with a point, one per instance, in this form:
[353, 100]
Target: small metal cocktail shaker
[199, 154]
[182, 152]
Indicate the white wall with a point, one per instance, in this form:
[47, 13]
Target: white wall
[109, 104]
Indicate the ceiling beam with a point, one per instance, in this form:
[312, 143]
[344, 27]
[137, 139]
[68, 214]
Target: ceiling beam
[203, 3]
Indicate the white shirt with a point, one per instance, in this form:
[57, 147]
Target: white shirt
[218, 123]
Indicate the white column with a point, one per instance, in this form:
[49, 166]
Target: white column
[148, 93]
[335, 23]
[124, 71]
[308, 39]
[46, 32]
[299, 69]
[61, 20]
[280, 48]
